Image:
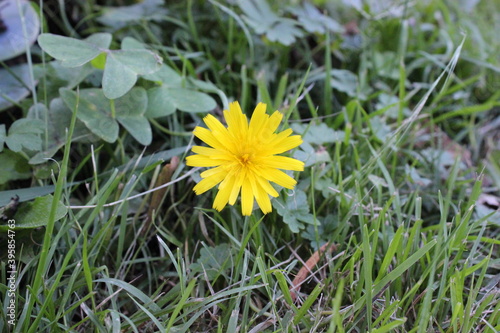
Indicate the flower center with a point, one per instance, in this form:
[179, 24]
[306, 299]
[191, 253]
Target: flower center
[244, 159]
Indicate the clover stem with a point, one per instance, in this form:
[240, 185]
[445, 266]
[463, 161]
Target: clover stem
[112, 104]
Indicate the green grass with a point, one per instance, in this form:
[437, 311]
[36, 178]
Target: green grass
[401, 149]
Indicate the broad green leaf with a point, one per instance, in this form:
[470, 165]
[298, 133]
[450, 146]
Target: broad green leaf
[130, 111]
[159, 103]
[58, 118]
[166, 76]
[140, 62]
[35, 214]
[209, 87]
[20, 32]
[13, 166]
[130, 43]
[93, 111]
[25, 133]
[190, 101]
[25, 193]
[101, 40]
[122, 68]
[294, 210]
[117, 79]
[133, 104]
[12, 89]
[56, 76]
[139, 128]
[214, 261]
[73, 52]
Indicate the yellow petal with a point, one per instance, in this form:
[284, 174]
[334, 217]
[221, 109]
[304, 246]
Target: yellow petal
[279, 177]
[240, 176]
[246, 197]
[214, 171]
[258, 121]
[267, 186]
[222, 196]
[261, 196]
[220, 132]
[286, 144]
[206, 136]
[274, 121]
[282, 162]
[237, 123]
[207, 183]
[214, 124]
[213, 153]
[202, 161]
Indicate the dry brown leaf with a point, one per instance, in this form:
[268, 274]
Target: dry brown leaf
[307, 268]
[157, 196]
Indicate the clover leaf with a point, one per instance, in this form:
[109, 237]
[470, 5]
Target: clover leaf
[121, 66]
[96, 112]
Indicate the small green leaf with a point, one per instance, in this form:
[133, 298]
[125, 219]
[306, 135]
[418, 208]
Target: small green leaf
[73, 52]
[344, 81]
[259, 15]
[121, 16]
[139, 128]
[294, 210]
[56, 76]
[317, 134]
[122, 68]
[99, 62]
[25, 133]
[58, 118]
[380, 128]
[36, 213]
[13, 166]
[130, 111]
[314, 21]
[214, 261]
[93, 111]
[284, 31]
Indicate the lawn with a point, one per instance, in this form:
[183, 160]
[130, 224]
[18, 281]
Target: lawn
[249, 166]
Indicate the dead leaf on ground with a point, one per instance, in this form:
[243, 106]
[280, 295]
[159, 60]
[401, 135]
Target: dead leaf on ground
[308, 267]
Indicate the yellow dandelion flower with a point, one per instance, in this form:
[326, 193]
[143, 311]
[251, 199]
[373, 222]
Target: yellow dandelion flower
[243, 157]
